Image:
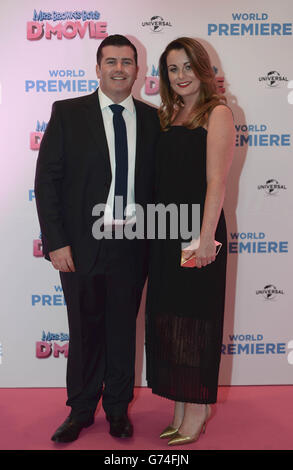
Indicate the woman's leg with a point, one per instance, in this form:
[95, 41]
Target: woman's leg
[178, 414]
[194, 417]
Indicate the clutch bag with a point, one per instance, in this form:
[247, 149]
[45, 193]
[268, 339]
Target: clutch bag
[190, 262]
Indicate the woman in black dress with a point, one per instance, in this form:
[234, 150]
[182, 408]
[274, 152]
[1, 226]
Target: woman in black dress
[185, 306]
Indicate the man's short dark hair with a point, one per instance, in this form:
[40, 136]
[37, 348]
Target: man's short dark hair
[115, 40]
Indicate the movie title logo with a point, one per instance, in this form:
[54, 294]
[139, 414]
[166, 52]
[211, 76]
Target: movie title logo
[70, 24]
[271, 187]
[48, 346]
[61, 81]
[270, 292]
[273, 79]
[219, 82]
[152, 82]
[258, 135]
[250, 24]
[156, 24]
[255, 243]
[37, 135]
[38, 248]
[49, 300]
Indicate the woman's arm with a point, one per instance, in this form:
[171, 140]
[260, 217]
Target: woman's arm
[220, 148]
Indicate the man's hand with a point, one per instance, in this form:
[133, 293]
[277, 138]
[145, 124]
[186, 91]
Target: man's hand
[62, 259]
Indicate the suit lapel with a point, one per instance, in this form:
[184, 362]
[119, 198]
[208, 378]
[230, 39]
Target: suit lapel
[96, 125]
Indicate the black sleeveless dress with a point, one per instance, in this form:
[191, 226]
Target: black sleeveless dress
[184, 306]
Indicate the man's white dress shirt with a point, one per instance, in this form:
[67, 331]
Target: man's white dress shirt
[129, 115]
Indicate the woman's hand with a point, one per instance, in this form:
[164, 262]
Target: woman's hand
[205, 254]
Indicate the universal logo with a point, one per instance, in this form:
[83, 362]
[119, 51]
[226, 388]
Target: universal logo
[273, 79]
[156, 24]
[270, 292]
[272, 187]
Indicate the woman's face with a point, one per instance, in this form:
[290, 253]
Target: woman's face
[181, 76]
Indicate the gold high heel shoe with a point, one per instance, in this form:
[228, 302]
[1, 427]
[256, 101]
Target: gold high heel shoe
[178, 439]
[169, 431]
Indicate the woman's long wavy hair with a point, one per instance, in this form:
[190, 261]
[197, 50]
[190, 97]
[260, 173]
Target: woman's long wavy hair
[208, 96]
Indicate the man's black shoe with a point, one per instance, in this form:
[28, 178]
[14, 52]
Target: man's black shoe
[70, 429]
[120, 426]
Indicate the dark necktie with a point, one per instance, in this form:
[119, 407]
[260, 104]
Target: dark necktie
[121, 159]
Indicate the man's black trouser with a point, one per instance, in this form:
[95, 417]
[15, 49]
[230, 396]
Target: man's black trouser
[102, 309]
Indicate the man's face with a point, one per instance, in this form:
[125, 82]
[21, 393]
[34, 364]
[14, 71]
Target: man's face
[117, 72]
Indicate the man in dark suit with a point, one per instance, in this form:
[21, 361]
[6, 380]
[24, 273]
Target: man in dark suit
[90, 155]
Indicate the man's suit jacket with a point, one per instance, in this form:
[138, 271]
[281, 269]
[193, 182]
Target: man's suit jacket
[73, 174]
